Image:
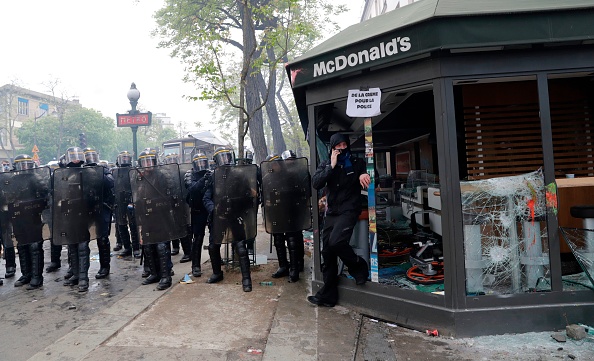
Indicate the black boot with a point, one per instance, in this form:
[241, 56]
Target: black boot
[25, 263]
[55, 261]
[73, 263]
[281, 254]
[293, 259]
[175, 245]
[196, 255]
[70, 271]
[186, 244]
[84, 253]
[36, 265]
[244, 266]
[150, 262]
[164, 265]
[104, 257]
[214, 251]
[10, 257]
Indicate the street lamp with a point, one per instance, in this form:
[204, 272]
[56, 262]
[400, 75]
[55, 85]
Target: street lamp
[133, 96]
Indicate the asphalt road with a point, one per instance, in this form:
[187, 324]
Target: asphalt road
[32, 320]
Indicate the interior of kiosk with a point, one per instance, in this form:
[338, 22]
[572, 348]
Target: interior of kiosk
[505, 203]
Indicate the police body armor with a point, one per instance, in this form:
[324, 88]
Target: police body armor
[77, 204]
[123, 194]
[158, 203]
[24, 196]
[286, 190]
[183, 168]
[235, 196]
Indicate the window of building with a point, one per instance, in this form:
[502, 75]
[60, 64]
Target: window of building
[23, 106]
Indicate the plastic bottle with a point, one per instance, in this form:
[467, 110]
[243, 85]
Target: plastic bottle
[266, 283]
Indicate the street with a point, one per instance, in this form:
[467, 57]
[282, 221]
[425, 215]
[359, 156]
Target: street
[32, 320]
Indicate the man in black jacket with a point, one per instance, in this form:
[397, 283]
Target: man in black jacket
[343, 176]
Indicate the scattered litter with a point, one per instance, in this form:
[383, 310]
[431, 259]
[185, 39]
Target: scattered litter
[559, 337]
[373, 320]
[105, 294]
[95, 257]
[560, 349]
[266, 283]
[391, 325]
[575, 332]
[254, 351]
[72, 307]
[186, 279]
[274, 299]
[434, 333]
[34, 301]
[571, 356]
[589, 329]
[77, 343]
[390, 340]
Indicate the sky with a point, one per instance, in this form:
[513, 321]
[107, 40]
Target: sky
[96, 49]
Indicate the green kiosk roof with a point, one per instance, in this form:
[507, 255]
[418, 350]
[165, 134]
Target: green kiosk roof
[417, 29]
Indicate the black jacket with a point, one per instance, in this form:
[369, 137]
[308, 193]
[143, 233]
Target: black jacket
[343, 192]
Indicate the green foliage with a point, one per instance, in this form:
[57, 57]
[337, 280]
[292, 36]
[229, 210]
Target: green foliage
[100, 131]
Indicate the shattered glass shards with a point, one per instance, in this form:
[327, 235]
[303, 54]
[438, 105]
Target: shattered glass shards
[581, 243]
[505, 235]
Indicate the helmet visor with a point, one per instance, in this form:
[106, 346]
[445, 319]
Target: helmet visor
[124, 159]
[91, 157]
[22, 164]
[200, 163]
[147, 160]
[75, 155]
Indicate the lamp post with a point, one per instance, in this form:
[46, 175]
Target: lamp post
[133, 96]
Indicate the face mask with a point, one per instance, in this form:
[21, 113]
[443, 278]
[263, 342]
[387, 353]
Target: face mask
[344, 154]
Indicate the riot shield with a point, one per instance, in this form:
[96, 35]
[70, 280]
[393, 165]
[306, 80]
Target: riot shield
[158, 204]
[24, 196]
[123, 194]
[286, 191]
[77, 204]
[183, 168]
[235, 196]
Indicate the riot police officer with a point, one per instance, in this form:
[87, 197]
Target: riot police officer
[124, 210]
[233, 215]
[92, 160]
[291, 240]
[158, 254]
[56, 249]
[27, 224]
[194, 181]
[78, 249]
[186, 242]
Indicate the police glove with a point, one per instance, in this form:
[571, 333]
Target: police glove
[188, 178]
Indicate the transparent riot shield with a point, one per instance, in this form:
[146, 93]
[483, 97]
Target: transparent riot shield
[24, 197]
[235, 196]
[286, 191]
[158, 203]
[77, 204]
[183, 168]
[123, 194]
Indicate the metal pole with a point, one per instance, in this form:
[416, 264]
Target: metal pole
[134, 146]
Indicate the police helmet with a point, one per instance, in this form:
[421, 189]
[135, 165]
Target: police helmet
[91, 156]
[171, 159]
[272, 157]
[23, 161]
[287, 154]
[74, 156]
[124, 159]
[200, 162]
[223, 156]
[148, 158]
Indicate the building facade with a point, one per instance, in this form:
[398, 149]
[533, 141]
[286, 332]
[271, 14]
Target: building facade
[19, 105]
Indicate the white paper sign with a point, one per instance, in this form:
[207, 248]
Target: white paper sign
[364, 103]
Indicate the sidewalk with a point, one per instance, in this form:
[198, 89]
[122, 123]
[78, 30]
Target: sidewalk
[200, 321]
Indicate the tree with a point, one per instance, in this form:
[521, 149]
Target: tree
[98, 129]
[209, 35]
